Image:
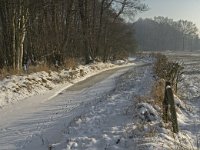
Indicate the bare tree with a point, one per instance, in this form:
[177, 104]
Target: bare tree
[14, 16]
[51, 31]
[187, 28]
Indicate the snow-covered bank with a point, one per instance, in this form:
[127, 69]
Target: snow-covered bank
[16, 88]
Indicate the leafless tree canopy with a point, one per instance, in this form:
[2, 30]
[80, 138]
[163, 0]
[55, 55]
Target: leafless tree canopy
[51, 30]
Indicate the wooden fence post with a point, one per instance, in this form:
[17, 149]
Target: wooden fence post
[165, 104]
[170, 98]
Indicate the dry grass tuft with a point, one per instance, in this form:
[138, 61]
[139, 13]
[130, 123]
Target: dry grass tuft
[141, 99]
[120, 55]
[70, 63]
[4, 72]
[157, 92]
[38, 68]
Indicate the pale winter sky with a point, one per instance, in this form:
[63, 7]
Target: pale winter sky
[175, 9]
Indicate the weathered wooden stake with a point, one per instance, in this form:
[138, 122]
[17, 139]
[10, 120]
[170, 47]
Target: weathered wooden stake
[165, 105]
[170, 98]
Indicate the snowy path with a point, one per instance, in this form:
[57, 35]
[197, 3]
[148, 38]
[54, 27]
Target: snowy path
[36, 122]
[111, 124]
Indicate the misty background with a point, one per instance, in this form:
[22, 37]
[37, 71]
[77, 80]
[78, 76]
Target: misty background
[168, 25]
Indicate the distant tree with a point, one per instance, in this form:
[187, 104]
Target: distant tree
[162, 33]
[188, 30]
[120, 9]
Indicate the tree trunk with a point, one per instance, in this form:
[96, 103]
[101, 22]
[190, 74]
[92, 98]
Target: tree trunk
[68, 19]
[21, 34]
[84, 19]
[183, 43]
[100, 27]
[13, 42]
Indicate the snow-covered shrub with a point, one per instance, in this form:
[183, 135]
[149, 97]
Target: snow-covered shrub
[147, 113]
[119, 62]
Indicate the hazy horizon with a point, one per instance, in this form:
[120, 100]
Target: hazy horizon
[174, 9]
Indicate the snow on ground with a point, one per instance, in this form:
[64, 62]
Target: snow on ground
[15, 88]
[129, 119]
[189, 91]
[34, 124]
[111, 124]
[125, 118]
[39, 120]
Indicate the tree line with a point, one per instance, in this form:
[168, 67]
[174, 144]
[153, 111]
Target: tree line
[162, 33]
[55, 30]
